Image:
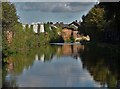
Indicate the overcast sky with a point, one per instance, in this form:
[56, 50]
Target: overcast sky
[66, 12]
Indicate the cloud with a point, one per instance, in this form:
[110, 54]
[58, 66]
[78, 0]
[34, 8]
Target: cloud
[52, 11]
[56, 6]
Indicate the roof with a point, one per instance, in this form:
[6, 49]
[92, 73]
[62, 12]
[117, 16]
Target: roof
[75, 23]
[71, 28]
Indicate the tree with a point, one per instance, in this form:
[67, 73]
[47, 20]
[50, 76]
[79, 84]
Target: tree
[93, 22]
[9, 21]
[112, 16]
[9, 16]
[95, 18]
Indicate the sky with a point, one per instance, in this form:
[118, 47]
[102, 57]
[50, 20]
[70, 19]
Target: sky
[32, 12]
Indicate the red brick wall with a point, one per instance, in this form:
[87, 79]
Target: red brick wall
[66, 34]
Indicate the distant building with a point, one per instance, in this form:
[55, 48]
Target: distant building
[29, 25]
[66, 34]
[24, 25]
[35, 28]
[42, 30]
[75, 25]
[71, 30]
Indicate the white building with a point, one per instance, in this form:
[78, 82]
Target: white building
[24, 26]
[35, 28]
[42, 28]
[29, 25]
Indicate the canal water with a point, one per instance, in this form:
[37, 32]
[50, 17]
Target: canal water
[63, 65]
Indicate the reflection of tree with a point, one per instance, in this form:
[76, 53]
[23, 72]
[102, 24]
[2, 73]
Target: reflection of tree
[7, 83]
[16, 64]
[48, 52]
[20, 62]
[25, 59]
[61, 50]
[102, 63]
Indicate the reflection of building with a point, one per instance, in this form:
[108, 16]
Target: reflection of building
[66, 50]
[71, 49]
[76, 48]
[42, 58]
[36, 57]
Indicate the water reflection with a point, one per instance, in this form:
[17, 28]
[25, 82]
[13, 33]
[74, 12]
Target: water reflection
[63, 66]
[63, 50]
[102, 62]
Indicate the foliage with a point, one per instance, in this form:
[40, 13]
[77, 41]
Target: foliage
[0, 27]
[95, 18]
[0, 39]
[9, 20]
[25, 59]
[101, 60]
[23, 39]
[47, 27]
[102, 22]
[54, 37]
[9, 16]
[94, 22]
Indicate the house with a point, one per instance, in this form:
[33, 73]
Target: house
[66, 33]
[71, 30]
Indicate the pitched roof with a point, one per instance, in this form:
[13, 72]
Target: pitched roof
[75, 23]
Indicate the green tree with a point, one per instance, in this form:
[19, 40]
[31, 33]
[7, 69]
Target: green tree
[93, 23]
[9, 21]
[102, 22]
[9, 16]
[112, 16]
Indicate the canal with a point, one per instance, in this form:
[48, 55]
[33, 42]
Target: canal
[63, 65]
